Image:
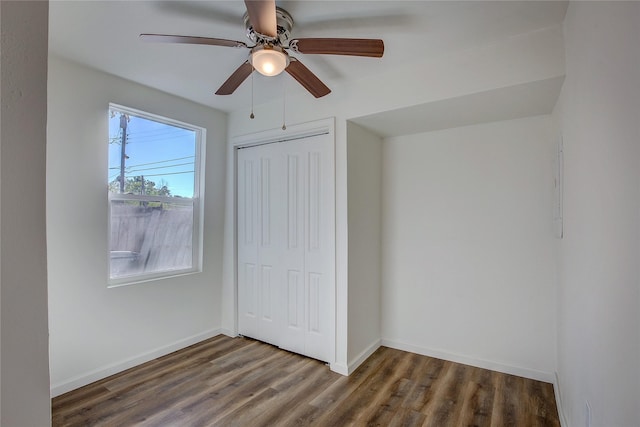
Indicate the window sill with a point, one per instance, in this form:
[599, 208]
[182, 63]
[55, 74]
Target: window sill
[134, 280]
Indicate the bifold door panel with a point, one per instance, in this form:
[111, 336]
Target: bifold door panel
[286, 245]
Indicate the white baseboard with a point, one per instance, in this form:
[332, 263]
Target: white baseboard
[353, 365]
[103, 372]
[339, 368]
[556, 392]
[228, 332]
[347, 369]
[479, 363]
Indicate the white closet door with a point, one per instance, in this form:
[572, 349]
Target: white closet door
[293, 290]
[310, 248]
[286, 246]
[259, 244]
[247, 223]
[269, 244]
[319, 249]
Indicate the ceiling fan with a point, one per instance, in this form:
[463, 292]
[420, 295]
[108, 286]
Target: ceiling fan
[269, 28]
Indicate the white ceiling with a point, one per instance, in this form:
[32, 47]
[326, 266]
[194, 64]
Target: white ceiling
[104, 35]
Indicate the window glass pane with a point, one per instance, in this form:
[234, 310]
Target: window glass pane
[150, 237]
[155, 158]
[154, 196]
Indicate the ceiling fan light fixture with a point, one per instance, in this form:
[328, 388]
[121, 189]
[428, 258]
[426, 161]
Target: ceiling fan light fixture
[269, 60]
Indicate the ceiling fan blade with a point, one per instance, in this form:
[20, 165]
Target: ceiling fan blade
[262, 15]
[373, 48]
[235, 79]
[167, 38]
[306, 78]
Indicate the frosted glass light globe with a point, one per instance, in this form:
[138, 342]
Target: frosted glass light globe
[269, 61]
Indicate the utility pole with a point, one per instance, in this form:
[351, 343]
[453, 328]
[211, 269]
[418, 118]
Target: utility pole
[123, 155]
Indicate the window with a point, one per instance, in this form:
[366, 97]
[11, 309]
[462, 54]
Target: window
[155, 192]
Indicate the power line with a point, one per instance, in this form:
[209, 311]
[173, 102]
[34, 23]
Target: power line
[159, 167]
[145, 140]
[160, 135]
[159, 161]
[154, 132]
[170, 173]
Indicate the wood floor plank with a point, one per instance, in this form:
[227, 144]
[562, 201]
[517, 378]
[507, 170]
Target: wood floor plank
[345, 385]
[242, 389]
[275, 396]
[384, 411]
[514, 414]
[295, 395]
[135, 382]
[478, 399]
[407, 417]
[355, 403]
[540, 409]
[446, 409]
[430, 391]
[497, 410]
[381, 410]
[193, 355]
[243, 382]
[430, 372]
[303, 415]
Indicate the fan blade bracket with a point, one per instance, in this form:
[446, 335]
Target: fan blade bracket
[372, 48]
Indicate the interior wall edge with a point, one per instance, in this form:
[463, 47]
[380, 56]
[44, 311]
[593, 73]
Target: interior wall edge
[116, 367]
[364, 355]
[24, 326]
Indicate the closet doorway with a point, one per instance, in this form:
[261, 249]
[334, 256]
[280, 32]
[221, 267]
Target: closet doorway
[286, 244]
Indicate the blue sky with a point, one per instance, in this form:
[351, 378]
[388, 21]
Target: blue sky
[161, 153]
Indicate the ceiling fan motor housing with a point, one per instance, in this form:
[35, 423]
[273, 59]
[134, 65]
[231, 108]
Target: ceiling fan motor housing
[284, 22]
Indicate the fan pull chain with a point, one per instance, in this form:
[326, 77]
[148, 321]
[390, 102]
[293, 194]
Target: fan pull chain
[252, 73]
[284, 104]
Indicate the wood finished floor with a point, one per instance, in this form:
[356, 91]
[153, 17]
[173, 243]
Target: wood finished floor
[241, 382]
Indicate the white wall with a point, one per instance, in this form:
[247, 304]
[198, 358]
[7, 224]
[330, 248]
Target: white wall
[599, 293]
[23, 279]
[520, 59]
[468, 262]
[97, 330]
[364, 180]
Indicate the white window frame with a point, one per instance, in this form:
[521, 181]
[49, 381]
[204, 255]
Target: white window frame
[197, 201]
